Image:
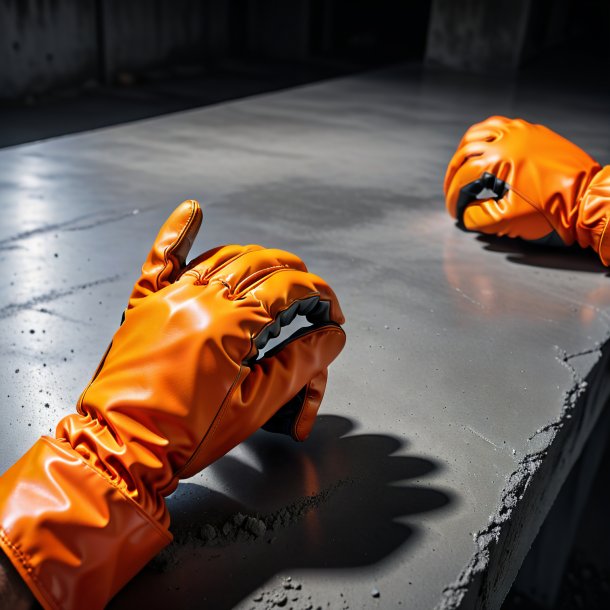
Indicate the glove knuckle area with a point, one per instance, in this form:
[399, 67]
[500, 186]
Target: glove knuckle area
[245, 272]
[278, 291]
[487, 130]
[215, 260]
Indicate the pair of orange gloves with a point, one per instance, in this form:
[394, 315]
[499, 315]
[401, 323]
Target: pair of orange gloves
[181, 383]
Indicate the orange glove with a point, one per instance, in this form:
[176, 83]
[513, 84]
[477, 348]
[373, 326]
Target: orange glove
[510, 177]
[179, 386]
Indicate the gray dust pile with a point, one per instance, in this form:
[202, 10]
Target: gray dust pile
[239, 528]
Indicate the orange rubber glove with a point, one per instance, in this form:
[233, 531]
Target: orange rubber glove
[510, 177]
[179, 386]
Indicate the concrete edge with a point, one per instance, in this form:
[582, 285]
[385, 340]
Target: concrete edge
[531, 489]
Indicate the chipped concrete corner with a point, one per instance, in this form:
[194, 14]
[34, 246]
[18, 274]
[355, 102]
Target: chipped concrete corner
[531, 489]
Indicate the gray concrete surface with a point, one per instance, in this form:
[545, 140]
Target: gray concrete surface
[458, 406]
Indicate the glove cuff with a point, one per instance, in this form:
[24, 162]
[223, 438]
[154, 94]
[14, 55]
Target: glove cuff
[70, 532]
[594, 214]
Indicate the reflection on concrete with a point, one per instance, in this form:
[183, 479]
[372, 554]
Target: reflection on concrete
[480, 285]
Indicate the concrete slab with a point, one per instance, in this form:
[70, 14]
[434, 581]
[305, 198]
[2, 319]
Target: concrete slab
[459, 404]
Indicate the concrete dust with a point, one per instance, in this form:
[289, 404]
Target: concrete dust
[286, 594]
[239, 528]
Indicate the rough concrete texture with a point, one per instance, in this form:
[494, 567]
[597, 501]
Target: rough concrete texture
[459, 404]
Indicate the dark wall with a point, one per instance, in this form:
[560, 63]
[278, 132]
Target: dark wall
[50, 45]
[502, 36]
[140, 34]
[53, 45]
[478, 36]
[56, 44]
[46, 44]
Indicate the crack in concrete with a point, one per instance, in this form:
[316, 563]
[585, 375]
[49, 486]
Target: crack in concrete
[478, 434]
[104, 221]
[5, 244]
[469, 298]
[468, 589]
[13, 309]
[585, 352]
[56, 314]
[10, 243]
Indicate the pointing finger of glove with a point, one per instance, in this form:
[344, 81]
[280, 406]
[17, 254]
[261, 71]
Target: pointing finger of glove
[169, 251]
[264, 388]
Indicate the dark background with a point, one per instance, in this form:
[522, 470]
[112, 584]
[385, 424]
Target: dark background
[71, 65]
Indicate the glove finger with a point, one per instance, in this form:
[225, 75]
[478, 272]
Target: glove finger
[246, 271]
[487, 130]
[285, 293]
[510, 215]
[214, 260]
[471, 170]
[167, 256]
[301, 363]
[471, 200]
[489, 216]
[475, 143]
[463, 155]
[264, 388]
[296, 418]
[246, 267]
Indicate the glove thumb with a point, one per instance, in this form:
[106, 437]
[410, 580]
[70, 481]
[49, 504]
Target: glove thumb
[168, 254]
[297, 417]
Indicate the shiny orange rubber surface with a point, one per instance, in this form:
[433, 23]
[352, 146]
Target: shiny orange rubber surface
[594, 213]
[178, 387]
[545, 176]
